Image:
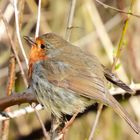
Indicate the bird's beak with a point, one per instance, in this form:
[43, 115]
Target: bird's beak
[30, 40]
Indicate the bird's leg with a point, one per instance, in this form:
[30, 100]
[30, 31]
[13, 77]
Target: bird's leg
[68, 123]
[56, 128]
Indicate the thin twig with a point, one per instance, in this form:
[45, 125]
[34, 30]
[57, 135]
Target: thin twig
[70, 19]
[29, 97]
[36, 35]
[20, 112]
[100, 29]
[116, 9]
[13, 48]
[106, 42]
[18, 32]
[21, 12]
[67, 37]
[6, 123]
[120, 45]
[4, 71]
[113, 68]
[44, 26]
[21, 46]
[46, 135]
[5, 128]
[96, 122]
[11, 75]
[38, 19]
[17, 99]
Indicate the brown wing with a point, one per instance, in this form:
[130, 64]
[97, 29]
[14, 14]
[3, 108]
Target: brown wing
[86, 78]
[78, 72]
[73, 69]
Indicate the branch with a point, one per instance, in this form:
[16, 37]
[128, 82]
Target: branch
[11, 80]
[28, 97]
[13, 48]
[115, 60]
[70, 19]
[17, 99]
[116, 9]
[18, 32]
[38, 19]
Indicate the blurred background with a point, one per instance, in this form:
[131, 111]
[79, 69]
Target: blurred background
[97, 29]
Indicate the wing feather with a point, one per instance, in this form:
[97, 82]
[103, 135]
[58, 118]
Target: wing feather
[85, 77]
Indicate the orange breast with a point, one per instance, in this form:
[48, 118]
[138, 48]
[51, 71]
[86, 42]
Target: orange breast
[36, 54]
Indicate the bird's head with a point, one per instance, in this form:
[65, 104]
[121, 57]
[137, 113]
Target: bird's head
[38, 49]
[37, 52]
[44, 47]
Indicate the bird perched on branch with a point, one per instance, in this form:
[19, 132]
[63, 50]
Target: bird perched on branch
[67, 80]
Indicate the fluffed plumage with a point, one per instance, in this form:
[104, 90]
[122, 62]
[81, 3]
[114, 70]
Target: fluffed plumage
[67, 80]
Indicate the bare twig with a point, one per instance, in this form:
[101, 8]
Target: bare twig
[120, 45]
[14, 49]
[38, 19]
[11, 75]
[4, 71]
[108, 45]
[20, 112]
[29, 97]
[41, 122]
[44, 26]
[36, 35]
[67, 37]
[21, 46]
[8, 15]
[99, 111]
[6, 123]
[17, 99]
[116, 9]
[95, 122]
[70, 19]
[113, 68]
[100, 29]
[5, 128]
[18, 32]
[21, 7]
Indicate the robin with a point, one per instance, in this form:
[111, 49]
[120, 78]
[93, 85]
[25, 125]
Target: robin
[67, 80]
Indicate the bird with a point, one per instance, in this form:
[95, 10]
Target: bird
[66, 80]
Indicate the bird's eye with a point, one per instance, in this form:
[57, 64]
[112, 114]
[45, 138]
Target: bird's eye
[42, 46]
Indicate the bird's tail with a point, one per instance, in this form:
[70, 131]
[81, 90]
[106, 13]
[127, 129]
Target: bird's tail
[122, 113]
[115, 80]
